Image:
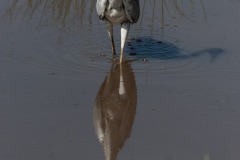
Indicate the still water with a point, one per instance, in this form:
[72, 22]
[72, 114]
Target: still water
[176, 97]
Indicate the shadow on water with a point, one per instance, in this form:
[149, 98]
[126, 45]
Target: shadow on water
[145, 48]
[115, 109]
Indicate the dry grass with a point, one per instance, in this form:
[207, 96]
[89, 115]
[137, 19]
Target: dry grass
[66, 12]
[173, 7]
[60, 11]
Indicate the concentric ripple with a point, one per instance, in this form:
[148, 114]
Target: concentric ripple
[88, 50]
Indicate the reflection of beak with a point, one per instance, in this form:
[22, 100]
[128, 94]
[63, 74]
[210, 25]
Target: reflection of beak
[121, 83]
[115, 109]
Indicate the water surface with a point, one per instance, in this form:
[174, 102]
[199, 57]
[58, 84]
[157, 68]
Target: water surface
[175, 98]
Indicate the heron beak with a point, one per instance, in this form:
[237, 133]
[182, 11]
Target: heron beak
[124, 33]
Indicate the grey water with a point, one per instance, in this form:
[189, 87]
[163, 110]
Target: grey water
[176, 97]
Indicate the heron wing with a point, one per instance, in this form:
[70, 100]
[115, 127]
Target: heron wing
[101, 7]
[132, 10]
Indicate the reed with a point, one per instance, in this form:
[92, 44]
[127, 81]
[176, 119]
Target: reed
[79, 12]
[59, 11]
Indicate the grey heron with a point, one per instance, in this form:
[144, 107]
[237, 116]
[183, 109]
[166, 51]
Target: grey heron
[124, 12]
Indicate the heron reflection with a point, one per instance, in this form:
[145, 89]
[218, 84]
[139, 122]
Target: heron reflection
[115, 109]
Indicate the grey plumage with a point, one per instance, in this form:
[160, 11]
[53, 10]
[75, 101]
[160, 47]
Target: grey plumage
[129, 9]
[121, 12]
